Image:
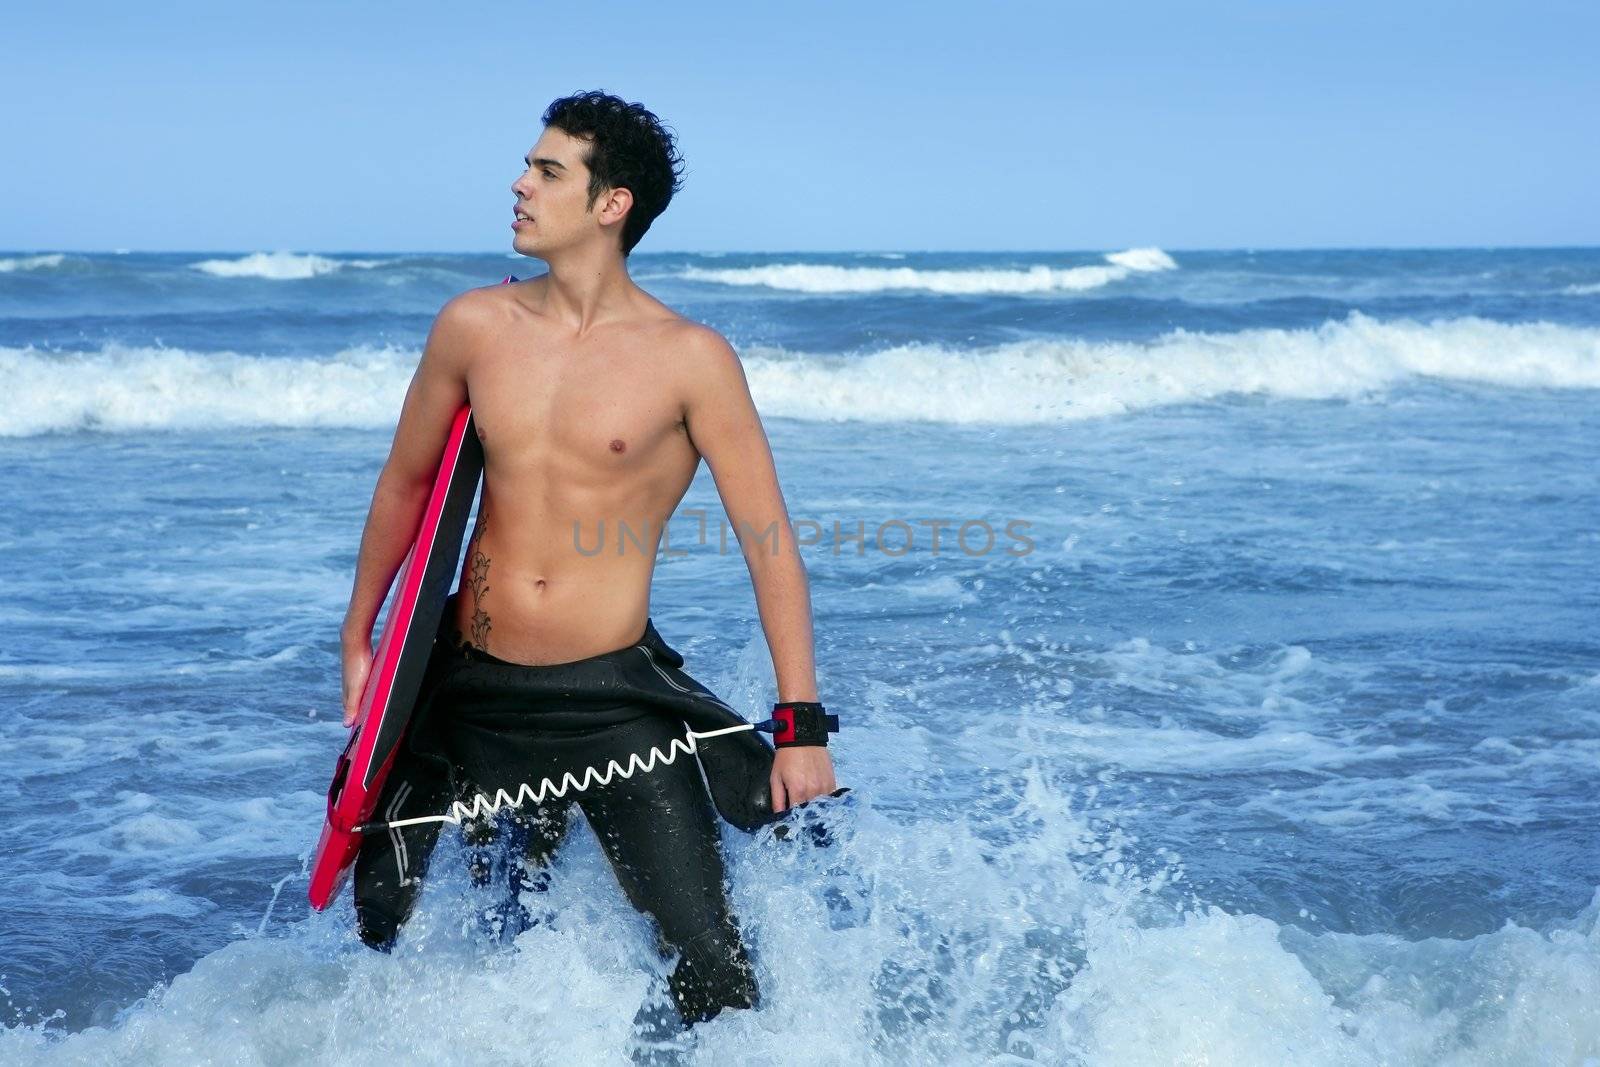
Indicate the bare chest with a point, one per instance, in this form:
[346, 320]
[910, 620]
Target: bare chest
[594, 408]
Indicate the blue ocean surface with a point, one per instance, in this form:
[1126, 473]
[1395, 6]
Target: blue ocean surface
[1246, 709]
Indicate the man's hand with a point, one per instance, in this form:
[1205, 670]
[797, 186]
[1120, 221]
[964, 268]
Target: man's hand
[357, 665]
[799, 774]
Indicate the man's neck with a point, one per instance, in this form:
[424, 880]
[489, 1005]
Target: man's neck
[586, 288]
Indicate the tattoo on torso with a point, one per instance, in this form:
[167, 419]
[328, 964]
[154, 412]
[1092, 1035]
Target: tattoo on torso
[478, 580]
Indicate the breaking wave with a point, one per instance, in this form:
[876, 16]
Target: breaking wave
[121, 388]
[280, 266]
[824, 278]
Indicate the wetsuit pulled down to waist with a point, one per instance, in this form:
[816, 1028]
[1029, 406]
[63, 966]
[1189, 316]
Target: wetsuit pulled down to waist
[489, 724]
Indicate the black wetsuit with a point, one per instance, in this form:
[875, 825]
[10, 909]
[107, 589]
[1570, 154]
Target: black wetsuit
[484, 723]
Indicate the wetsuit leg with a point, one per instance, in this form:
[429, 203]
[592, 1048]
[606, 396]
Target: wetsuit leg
[659, 831]
[391, 864]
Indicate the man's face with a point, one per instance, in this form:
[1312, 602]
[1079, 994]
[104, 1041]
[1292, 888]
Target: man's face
[554, 192]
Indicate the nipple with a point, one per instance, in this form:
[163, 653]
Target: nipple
[618, 445]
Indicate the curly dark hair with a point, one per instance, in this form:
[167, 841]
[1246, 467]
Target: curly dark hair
[629, 148]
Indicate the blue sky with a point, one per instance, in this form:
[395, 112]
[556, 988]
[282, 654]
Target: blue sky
[810, 126]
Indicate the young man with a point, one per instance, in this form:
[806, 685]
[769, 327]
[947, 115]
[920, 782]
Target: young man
[595, 404]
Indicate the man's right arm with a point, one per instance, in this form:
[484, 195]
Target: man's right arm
[438, 390]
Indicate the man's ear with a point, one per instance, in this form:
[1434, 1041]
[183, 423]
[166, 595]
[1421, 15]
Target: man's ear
[614, 204]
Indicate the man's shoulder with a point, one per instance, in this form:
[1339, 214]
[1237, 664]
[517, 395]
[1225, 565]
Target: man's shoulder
[479, 301]
[705, 364]
[476, 314]
[699, 343]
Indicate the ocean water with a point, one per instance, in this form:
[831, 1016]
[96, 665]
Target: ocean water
[1247, 710]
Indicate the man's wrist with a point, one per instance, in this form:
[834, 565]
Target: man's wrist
[354, 636]
[801, 723]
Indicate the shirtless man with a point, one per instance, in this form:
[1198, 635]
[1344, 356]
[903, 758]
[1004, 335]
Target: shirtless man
[595, 403]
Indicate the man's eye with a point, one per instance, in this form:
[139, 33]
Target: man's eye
[549, 174]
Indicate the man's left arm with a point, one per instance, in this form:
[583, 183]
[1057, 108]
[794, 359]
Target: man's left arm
[726, 430]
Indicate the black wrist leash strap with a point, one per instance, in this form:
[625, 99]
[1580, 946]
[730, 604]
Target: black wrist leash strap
[797, 723]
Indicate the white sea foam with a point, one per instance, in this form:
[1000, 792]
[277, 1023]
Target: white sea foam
[1043, 381]
[45, 262]
[1591, 289]
[1039, 381]
[279, 266]
[131, 388]
[1175, 995]
[825, 278]
[1143, 259]
[1066, 957]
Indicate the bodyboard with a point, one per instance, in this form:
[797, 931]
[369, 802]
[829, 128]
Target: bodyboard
[400, 660]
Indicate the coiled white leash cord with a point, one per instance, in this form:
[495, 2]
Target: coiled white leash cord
[460, 810]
